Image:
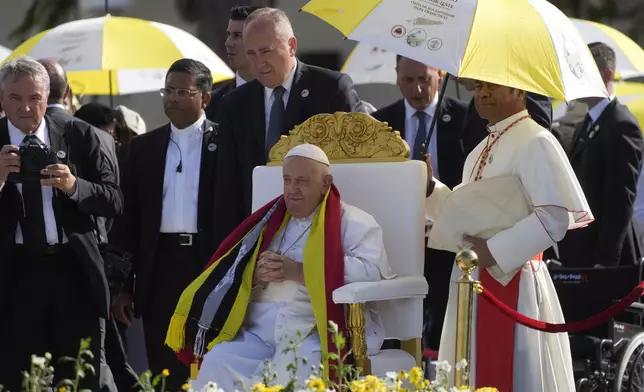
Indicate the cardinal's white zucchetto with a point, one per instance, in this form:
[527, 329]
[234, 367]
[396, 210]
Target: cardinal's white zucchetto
[309, 151]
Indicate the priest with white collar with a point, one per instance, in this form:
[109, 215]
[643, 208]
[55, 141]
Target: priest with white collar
[294, 252]
[505, 355]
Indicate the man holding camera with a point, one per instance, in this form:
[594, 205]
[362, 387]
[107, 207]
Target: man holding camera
[53, 179]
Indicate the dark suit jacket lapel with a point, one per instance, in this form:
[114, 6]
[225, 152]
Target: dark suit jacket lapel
[58, 139]
[295, 98]
[258, 117]
[592, 131]
[207, 173]
[155, 173]
[398, 119]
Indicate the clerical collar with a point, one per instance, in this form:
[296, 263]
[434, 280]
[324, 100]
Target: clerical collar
[192, 129]
[288, 83]
[430, 110]
[307, 218]
[501, 125]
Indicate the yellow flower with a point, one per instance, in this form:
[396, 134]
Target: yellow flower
[357, 386]
[403, 375]
[62, 389]
[316, 383]
[373, 384]
[416, 376]
[275, 388]
[165, 373]
[185, 387]
[487, 389]
[259, 387]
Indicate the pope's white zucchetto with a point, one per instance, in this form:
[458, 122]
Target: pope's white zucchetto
[309, 151]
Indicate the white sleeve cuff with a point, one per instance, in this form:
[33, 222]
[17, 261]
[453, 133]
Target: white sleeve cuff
[434, 203]
[519, 244]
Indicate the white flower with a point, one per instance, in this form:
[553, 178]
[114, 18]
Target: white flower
[38, 361]
[333, 326]
[462, 364]
[211, 387]
[443, 367]
[441, 389]
[392, 375]
[454, 389]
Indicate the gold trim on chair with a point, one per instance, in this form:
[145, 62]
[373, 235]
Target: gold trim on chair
[345, 138]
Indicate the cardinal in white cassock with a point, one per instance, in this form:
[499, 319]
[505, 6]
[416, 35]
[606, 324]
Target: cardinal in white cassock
[274, 277]
[504, 354]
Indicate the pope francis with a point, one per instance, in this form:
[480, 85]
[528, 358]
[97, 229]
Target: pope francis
[274, 277]
[505, 355]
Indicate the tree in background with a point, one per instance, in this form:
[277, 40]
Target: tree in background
[44, 15]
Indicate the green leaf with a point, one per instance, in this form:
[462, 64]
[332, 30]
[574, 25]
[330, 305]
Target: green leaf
[88, 354]
[89, 368]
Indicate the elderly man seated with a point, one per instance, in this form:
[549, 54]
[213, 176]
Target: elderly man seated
[274, 276]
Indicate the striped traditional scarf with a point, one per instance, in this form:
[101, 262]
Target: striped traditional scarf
[213, 307]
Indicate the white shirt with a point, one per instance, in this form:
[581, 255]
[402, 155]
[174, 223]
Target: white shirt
[268, 96]
[411, 128]
[181, 189]
[239, 81]
[16, 136]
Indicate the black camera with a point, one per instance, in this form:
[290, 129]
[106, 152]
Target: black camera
[34, 156]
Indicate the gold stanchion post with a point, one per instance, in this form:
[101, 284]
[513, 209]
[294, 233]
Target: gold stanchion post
[194, 368]
[467, 261]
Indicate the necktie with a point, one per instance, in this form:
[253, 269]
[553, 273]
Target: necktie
[276, 122]
[581, 133]
[420, 139]
[34, 233]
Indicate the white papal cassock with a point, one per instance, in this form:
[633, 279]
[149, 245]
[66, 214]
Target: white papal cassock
[542, 362]
[279, 311]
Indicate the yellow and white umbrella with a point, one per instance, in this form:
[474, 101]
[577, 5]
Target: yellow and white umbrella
[629, 55]
[526, 44]
[4, 52]
[370, 64]
[117, 55]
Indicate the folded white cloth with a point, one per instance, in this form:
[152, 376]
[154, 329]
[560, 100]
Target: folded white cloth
[482, 209]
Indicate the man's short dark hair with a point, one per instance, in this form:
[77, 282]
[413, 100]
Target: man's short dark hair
[604, 56]
[194, 67]
[57, 81]
[96, 114]
[241, 12]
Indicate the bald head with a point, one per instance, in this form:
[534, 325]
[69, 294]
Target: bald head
[58, 87]
[270, 46]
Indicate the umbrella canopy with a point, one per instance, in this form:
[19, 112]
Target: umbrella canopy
[628, 54]
[370, 64]
[117, 55]
[4, 52]
[526, 44]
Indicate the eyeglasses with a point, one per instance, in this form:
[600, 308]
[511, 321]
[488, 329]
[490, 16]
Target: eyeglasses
[181, 92]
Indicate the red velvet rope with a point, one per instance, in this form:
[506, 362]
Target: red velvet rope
[572, 327]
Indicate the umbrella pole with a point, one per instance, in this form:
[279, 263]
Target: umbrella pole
[441, 94]
[107, 7]
[111, 93]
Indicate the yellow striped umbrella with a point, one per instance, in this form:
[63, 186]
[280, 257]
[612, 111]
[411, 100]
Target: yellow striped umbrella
[526, 44]
[371, 64]
[117, 55]
[629, 55]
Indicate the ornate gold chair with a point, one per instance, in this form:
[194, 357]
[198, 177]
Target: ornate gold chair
[371, 169]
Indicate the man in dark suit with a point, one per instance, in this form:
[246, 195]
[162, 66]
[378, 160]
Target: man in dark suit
[286, 93]
[412, 116]
[606, 154]
[53, 290]
[168, 224]
[475, 127]
[236, 59]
